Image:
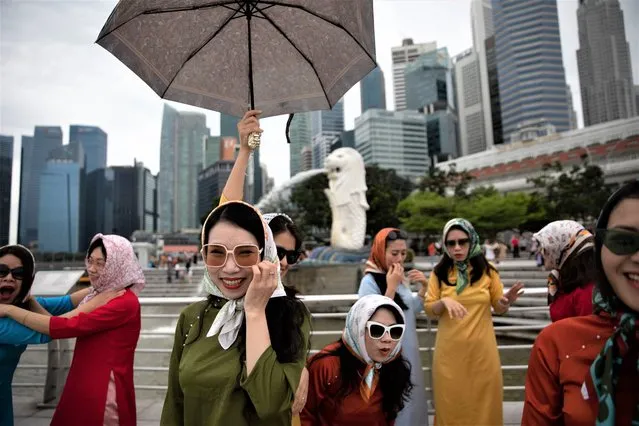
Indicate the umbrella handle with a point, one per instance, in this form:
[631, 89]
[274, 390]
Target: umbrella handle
[254, 141]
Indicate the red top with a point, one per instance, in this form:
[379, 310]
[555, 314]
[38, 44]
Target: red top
[320, 410]
[573, 304]
[106, 341]
[558, 367]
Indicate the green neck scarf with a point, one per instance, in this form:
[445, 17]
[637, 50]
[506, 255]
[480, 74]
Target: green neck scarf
[463, 277]
[605, 369]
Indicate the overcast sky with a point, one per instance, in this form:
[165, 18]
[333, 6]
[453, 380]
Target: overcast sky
[52, 73]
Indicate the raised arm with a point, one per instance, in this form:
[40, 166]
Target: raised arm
[234, 188]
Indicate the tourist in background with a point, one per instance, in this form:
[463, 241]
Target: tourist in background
[17, 273]
[490, 246]
[462, 288]
[584, 370]
[99, 387]
[568, 252]
[384, 275]
[362, 379]
[238, 355]
[288, 238]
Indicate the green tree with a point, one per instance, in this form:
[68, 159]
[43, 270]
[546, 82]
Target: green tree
[577, 193]
[439, 181]
[493, 213]
[312, 214]
[385, 190]
[425, 212]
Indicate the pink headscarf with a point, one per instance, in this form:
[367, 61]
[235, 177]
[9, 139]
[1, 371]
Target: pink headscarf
[122, 268]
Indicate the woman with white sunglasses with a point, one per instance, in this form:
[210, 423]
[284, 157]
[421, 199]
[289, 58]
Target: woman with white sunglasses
[362, 378]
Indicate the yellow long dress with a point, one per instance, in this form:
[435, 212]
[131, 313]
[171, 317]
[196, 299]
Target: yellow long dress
[467, 378]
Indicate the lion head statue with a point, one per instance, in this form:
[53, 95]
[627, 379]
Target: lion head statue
[346, 174]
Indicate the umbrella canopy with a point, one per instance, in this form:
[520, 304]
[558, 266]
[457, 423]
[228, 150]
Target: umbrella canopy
[279, 56]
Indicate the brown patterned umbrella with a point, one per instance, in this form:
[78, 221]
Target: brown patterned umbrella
[279, 56]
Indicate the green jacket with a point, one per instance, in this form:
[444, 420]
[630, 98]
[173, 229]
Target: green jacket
[208, 385]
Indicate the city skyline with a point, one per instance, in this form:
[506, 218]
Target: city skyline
[50, 51]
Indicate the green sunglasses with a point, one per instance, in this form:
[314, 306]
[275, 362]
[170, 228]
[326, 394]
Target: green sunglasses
[621, 242]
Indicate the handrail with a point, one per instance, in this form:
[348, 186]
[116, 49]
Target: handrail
[59, 352]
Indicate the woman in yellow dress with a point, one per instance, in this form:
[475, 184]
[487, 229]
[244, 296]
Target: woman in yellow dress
[467, 379]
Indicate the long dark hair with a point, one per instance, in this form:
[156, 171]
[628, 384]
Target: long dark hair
[280, 224]
[629, 191]
[28, 263]
[394, 376]
[479, 264]
[284, 315]
[578, 271]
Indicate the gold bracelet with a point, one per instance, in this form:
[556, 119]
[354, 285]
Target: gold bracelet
[24, 320]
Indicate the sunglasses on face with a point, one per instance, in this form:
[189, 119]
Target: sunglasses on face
[245, 255]
[16, 273]
[463, 242]
[621, 242]
[291, 255]
[376, 330]
[396, 235]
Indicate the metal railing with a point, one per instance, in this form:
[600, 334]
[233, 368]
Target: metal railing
[59, 351]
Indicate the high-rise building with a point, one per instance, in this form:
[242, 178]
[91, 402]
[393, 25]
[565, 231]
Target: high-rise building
[180, 162]
[329, 122]
[6, 165]
[227, 149]
[60, 212]
[603, 58]
[345, 140]
[393, 140]
[571, 108]
[228, 125]
[481, 13]
[321, 147]
[493, 91]
[99, 202]
[134, 200]
[429, 89]
[401, 56]
[373, 90]
[94, 142]
[300, 135]
[637, 96]
[532, 81]
[306, 158]
[212, 149]
[35, 152]
[472, 126]
[210, 183]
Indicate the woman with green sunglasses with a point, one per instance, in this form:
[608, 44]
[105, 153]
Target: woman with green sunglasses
[585, 370]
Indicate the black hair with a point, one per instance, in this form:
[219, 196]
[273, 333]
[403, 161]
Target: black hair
[479, 264]
[94, 245]
[578, 270]
[280, 224]
[284, 315]
[394, 376]
[628, 191]
[28, 264]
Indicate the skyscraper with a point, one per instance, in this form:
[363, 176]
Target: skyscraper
[571, 108]
[401, 56]
[99, 202]
[6, 165]
[180, 162]
[94, 142]
[393, 140]
[328, 123]
[532, 81]
[429, 89]
[35, 152]
[472, 130]
[134, 205]
[373, 90]
[212, 146]
[603, 58]
[300, 135]
[60, 219]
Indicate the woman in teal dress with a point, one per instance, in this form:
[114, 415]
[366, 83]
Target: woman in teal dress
[17, 272]
[237, 356]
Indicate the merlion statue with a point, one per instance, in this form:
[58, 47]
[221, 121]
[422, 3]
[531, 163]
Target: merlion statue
[347, 198]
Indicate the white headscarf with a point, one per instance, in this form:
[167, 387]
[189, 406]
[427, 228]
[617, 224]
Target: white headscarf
[229, 319]
[354, 337]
